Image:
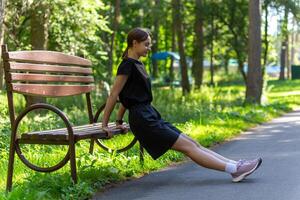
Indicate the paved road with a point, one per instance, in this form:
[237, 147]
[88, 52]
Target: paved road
[278, 178]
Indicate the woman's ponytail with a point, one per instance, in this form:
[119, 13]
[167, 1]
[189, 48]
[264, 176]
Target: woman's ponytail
[125, 53]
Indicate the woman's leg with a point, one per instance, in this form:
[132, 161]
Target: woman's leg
[212, 160]
[210, 151]
[199, 154]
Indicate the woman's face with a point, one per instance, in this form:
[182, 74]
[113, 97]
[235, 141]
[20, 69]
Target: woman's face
[142, 48]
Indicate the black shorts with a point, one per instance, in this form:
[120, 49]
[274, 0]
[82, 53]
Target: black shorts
[153, 133]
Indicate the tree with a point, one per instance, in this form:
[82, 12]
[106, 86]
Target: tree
[115, 25]
[254, 76]
[234, 16]
[284, 43]
[198, 51]
[39, 22]
[173, 47]
[266, 41]
[212, 37]
[2, 14]
[74, 26]
[287, 7]
[180, 40]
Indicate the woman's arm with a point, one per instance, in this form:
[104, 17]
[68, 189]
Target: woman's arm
[121, 112]
[112, 99]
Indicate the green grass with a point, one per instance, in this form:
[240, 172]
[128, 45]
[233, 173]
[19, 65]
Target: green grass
[210, 116]
[284, 86]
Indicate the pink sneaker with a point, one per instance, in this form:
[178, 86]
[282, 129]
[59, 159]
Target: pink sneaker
[245, 168]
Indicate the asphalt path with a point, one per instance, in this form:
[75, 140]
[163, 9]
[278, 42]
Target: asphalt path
[278, 178]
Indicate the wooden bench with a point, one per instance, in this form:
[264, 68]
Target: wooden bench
[52, 74]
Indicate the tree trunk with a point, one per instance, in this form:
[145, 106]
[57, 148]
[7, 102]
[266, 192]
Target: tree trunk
[180, 40]
[239, 58]
[116, 22]
[283, 61]
[171, 72]
[226, 62]
[212, 53]
[198, 50]
[266, 41]
[287, 54]
[293, 44]
[2, 14]
[254, 76]
[39, 38]
[167, 46]
[155, 37]
[241, 67]
[211, 67]
[39, 27]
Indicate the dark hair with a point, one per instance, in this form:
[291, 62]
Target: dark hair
[138, 34]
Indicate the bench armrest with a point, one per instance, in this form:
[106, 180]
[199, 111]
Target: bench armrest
[45, 106]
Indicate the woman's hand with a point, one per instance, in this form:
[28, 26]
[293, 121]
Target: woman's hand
[123, 127]
[108, 131]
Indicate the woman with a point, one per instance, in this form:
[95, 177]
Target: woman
[133, 87]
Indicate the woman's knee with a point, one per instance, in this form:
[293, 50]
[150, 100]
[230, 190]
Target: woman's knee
[191, 140]
[184, 145]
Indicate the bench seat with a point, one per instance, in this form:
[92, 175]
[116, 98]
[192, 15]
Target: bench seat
[61, 136]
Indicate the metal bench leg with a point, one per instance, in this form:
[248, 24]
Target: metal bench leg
[92, 146]
[11, 160]
[73, 161]
[141, 154]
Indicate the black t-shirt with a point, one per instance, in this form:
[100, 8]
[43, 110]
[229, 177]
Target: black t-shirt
[137, 89]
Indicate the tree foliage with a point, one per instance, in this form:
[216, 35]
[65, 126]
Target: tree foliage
[86, 28]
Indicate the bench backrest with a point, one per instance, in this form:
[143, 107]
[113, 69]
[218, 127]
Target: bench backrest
[46, 73]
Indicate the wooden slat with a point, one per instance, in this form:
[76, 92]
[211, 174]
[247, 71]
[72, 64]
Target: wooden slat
[60, 136]
[43, 141]
[26, 67]
[77, 129]
[49, 78]
[50, 90]
[50, 57]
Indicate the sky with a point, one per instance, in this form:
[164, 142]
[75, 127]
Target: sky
[273, 22]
